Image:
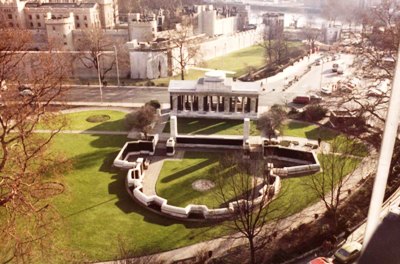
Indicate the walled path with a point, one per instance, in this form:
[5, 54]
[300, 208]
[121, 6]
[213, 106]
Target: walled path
[220, 246]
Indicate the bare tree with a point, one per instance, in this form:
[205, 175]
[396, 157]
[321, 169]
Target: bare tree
[270, 121]
[25, 160]
[337, 165]
[142, 119]
[184, 48]
[239, 183]
[310, 33]
[95, 44]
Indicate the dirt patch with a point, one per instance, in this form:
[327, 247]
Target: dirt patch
[203, 185]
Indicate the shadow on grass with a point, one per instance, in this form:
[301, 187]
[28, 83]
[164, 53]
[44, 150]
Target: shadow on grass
[324, 133]
[114, 125]
[108, 141]
[187, 171]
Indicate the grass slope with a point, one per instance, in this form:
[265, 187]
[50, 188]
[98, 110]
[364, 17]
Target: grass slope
[77, 121]
[199, 126]
[97, 211]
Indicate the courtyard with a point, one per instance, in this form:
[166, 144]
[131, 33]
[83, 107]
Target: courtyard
[96, 206]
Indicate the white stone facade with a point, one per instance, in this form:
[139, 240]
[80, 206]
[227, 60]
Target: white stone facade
[215, 95]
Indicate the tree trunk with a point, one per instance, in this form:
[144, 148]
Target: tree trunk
[182, 74]
[252, 251]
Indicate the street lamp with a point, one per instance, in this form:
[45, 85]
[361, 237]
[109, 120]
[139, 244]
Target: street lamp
[385, 157]
[116, 59]
[98, 75]
[322, 68]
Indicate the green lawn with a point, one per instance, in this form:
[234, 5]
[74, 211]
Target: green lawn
[306, 130]
[295, 195]
[77, 121]
[176, 178]
[179, 175]
[205, 126]
[97, 210]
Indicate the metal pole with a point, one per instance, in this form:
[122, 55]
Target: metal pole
[385, 157]
[98, 75]
[116, 59]
[322, 68]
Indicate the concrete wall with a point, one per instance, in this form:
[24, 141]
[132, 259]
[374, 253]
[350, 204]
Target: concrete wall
[148, 64]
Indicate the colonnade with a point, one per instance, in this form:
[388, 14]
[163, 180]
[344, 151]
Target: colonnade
[214, 103]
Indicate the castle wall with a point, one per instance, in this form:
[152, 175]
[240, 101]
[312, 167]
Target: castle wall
[148, 64]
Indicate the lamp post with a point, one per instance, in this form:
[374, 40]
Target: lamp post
[98, 75]
[116, 60]
[385, 157]
[322, 68]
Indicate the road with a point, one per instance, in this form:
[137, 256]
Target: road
[133, 95]
[309, 83]
[274, 93]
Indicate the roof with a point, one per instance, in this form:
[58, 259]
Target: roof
[216, 82]
[60, 5]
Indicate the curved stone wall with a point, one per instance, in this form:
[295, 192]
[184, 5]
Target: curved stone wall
[193, 212]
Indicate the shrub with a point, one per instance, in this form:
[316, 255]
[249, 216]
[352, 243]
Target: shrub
[98, 118]
[285, 143]
[150, 83]
[154, 103]
[314, 113]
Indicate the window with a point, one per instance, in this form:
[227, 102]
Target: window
[11, 24]
[64, 35]
[65, 43]
[31, 25]
[85, 18]
[9, 16]
[54, 28]
[30, 17]
[86, 25]
[78, 25]
[77, 17]
[39, 25]
[37, 17]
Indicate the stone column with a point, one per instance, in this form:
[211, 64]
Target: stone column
[235, 102]
[226, 105]
[243, 104]
[252, 105]
[174, 103]
[191, 102]
[184, 102]
[246, 128]
[201, 103]
[173, 122]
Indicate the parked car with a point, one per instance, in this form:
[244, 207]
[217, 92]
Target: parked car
[321, 260]
[335, 66]
[315, 98]
[340, 70]
[302, 99]
[395, 207]
[25, 90]
[348, 253]
[326, 90]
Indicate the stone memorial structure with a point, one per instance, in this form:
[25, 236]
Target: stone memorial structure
[214, 96]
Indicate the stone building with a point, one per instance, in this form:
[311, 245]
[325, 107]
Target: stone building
[213, 96]
[274, 25]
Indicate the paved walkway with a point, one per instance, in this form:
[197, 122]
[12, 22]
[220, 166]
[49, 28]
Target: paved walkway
[88, 108]
[90, 132]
